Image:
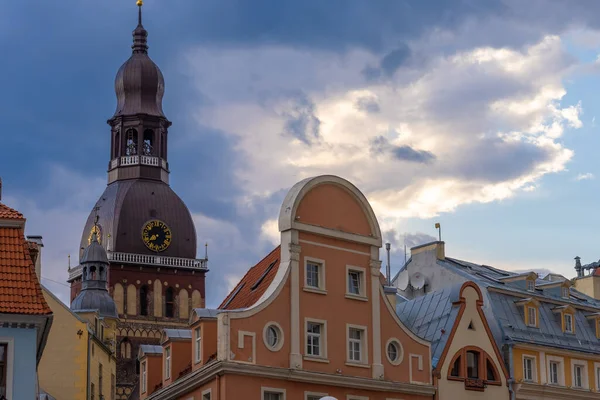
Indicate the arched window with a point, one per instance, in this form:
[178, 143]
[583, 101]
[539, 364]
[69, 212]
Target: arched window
[92, 275]
[144, 300]
[131, 143]
[117, 144]
[148, 142]
[475, 367]
[169, 310]
[125, 349]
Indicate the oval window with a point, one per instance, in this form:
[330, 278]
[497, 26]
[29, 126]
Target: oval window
[394, 351]
[273, 336]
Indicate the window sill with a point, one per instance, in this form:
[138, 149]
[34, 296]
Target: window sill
[356, 297]
[316, 359]
[355, 364]
[314, 290]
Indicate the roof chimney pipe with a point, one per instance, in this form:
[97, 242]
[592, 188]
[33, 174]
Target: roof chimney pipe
[578, 267]
[388, 270]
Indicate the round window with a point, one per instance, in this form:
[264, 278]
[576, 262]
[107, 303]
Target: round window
[273, 336]
[394, 351]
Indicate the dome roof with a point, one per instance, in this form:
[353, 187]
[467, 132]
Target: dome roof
[139, 84]
[126, 206]
[94, 253]
[95, 300]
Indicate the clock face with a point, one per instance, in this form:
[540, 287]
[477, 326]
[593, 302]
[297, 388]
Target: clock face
[98, 230]
[156, 235]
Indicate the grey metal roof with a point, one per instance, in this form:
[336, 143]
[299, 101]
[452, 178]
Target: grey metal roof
[431, 317]
[150, 349]
[178, 333]
[97, 300]
[207, 312]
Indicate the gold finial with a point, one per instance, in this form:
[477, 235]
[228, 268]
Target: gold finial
[140, 3]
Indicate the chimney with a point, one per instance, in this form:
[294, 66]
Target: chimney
[578, 268]
[389, 291]
[36, 254]
[436, 248]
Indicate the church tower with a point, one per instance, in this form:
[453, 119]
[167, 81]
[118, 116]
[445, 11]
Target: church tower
[154, 275]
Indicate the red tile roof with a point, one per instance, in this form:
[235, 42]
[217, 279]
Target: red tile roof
[8, 213]
[254, 284]
[20, 290]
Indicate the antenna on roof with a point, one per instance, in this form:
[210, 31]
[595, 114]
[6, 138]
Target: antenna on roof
[388, 270]
[69, 263]
[439, 228]
[206, 251]
[405, 252]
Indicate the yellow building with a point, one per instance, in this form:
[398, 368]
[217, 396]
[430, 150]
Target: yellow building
[80, 360]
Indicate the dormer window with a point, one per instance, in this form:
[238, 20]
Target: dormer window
[567, 317]
[530, 311]
[532, 317]
[568, 323]
[530, 285]
[566, 292]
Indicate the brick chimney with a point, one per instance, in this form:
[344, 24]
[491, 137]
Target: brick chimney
[35, 251]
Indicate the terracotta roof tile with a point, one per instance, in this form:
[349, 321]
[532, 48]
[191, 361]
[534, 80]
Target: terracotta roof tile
[9, 213]
[20, 290]
[254, 284]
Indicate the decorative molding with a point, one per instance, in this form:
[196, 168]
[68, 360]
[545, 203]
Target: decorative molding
[328, 246]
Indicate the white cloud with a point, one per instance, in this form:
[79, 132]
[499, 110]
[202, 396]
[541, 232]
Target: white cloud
[586, 176]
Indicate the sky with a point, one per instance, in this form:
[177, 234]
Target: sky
[479, 115]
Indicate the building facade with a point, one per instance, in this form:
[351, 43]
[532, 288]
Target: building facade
[548, 332]
[25, 317]
[154, 277]
[309, 320]
[80, 359]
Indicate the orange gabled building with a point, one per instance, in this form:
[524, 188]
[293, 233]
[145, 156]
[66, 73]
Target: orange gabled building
[309, 320]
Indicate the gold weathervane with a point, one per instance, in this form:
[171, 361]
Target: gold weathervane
[140, 3]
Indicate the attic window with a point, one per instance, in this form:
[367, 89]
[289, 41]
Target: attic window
[471, 327]
[530, 285]
[262, 277]
[568, 323]
[475, 367]
[565, 292]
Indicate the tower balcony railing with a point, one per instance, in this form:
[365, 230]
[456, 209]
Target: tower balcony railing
[149, 260]
[137, 160]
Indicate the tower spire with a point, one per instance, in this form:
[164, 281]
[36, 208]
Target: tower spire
[140, 35]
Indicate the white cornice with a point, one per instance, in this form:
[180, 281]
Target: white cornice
[197, 378]
[549, 392]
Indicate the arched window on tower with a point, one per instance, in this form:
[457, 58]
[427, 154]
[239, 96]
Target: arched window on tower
[117, 144]
[131, 144]
[92, 276]
[144, 300]
[125, 349]
[148, 142]
[163, 142]
[170, 306]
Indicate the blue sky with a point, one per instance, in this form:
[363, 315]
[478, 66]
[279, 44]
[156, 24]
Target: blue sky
[478, 114]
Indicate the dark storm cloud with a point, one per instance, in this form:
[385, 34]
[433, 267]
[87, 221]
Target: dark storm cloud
[302, 123]
[380, 145]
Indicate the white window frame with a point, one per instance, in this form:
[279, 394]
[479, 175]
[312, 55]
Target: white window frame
[584, 373]
[530, 285]
[560, 371]
[168, 356]
[10, 363]
[398, 360]
[265, 389]
[197, 345]
[535, 313]
[533, 367]
[316, 394]
[206, 392]
[571, 327]
[597, 375]
[144, 373]
[364, 345]
[566, 292]
[279, 344]
[323, 339]
[362, 284]
[322, 288]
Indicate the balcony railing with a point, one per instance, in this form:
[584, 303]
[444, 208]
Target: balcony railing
[137, 160]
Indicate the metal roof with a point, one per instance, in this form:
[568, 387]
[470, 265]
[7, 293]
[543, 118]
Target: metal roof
[178, 333]
[150, 349]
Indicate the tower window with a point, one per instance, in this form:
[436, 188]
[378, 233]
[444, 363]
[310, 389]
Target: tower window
[144, 300]
[148, 142]
[169, 312]
[131, 149]
[117, 144]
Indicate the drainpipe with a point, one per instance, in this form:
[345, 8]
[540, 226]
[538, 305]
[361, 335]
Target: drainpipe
[511, 381]
[89, 356]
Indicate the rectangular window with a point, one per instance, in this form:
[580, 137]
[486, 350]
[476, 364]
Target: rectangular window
[578, 376]
[3, 368]
[100, 380]
[312, 275]
[472, 364]
[568, 323]
[354, 282]
[553, 372]
[314, 396]
[565, 292]
[314, 345]
[168, 362]
[198, 351]
[267, 395]
[532, 316]
[144, 378]
[355, 340]
[528, 364]
[530, 285]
